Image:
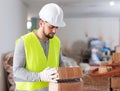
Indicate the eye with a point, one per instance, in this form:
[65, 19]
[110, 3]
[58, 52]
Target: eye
[52, 27]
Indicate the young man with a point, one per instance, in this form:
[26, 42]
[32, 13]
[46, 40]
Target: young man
[38, 53]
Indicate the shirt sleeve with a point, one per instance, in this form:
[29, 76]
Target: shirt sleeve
[61, 63]
[19, 59]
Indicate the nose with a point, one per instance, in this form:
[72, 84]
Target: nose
[54, 29]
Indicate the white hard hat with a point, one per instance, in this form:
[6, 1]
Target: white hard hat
[53, 14]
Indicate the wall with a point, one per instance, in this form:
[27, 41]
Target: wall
[108, 27]
[13, 17]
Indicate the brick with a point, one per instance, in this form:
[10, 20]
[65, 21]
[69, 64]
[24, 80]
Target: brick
[70, 72]
[117, 48]
[116, 89]
[96, 83]
[106, 63]
[116, 57]
[72, 86]
[115, 82]
[95, 88]
[67, 80]
[104, 69]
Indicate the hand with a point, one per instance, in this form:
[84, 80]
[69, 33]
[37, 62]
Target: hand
[49, 75]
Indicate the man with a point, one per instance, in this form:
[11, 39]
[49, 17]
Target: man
[37, 54]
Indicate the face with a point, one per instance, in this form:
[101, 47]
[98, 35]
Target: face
[49, 30]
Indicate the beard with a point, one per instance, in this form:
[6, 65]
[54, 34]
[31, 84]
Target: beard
[49, 36]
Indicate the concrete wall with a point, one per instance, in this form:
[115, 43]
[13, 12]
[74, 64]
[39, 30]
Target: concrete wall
[108, 27]
[13, 17]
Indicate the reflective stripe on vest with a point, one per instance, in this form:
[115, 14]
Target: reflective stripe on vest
[36, 61]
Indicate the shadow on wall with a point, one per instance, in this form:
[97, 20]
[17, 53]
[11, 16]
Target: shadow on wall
[79, 51]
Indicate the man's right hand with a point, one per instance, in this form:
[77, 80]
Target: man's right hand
[49, 75]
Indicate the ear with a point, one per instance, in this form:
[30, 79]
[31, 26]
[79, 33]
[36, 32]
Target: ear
[41, 22]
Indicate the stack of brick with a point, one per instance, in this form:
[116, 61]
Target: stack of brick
[116, 57]
[8, 64]
[117, 49]
[115, 83]
[69, 79]
[96, 83]
[101, 79]
[115, 80]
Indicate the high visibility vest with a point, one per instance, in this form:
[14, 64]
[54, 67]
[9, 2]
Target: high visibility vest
[36, 61]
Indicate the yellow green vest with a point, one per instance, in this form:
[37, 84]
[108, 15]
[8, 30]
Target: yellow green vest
[36, 60]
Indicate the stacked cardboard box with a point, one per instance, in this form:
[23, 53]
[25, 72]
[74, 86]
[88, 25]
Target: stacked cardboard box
[69, 80]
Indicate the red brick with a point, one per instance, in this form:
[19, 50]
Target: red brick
[115, 82]
[96, 83]
[116, 57]
[66, 74]
[72, 86]
[116, 89]
[70, 72]
[117, 48]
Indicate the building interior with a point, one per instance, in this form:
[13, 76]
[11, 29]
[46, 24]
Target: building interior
[89, 23]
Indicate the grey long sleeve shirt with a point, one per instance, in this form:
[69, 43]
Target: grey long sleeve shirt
[20, 73]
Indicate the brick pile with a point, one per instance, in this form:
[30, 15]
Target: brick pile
[69, 80]
[96, 83]
[115, 83]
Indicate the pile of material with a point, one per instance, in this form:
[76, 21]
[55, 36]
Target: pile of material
[96, 83]
[69, 80]
[107, 73]
[8, 63]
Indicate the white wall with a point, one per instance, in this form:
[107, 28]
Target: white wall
[13, 17]
[12, 23]
[108, 27]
